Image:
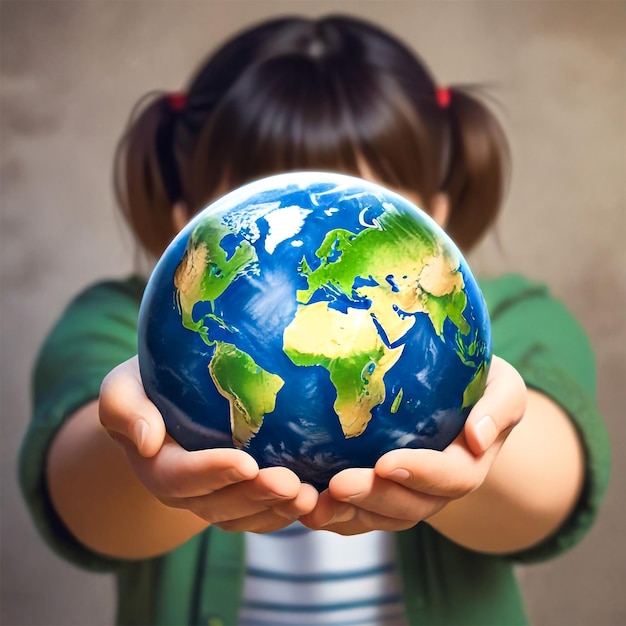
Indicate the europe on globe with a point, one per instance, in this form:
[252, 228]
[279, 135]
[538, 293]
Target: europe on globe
[316, 321]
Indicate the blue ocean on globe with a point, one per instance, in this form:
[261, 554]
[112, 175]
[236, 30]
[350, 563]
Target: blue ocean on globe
[316, 321]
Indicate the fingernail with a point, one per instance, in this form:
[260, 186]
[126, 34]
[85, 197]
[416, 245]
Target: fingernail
[140, 432]
[399, 474]
[235, 475]
[486, 432]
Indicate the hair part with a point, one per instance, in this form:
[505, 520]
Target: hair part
[332, 94]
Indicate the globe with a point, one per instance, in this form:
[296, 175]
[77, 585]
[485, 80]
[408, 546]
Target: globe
[316, 321]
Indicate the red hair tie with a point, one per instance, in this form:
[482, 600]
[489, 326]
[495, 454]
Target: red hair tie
[443, 97]
[177, 101]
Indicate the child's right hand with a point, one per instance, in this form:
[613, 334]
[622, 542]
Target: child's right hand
[223, 486]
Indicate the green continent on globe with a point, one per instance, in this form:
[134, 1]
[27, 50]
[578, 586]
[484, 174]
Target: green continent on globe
[384, 275]
[406, 267]
[476, 386]
[400, 268]
[250, 390]
[351, 349]
[468, 351]
[203, 274]
[205, 271]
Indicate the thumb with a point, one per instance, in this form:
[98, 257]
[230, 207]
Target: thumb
[500, 408]
[127, 413]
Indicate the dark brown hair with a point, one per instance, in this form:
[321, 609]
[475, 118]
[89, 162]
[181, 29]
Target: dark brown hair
[330, 94]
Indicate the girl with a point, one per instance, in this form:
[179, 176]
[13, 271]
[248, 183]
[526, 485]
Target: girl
[424, 537]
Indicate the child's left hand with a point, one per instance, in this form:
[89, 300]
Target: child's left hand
[407, 485]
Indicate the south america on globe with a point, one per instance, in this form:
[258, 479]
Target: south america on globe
[316, 321]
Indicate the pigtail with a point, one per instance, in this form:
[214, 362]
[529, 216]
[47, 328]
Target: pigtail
[144, 160]
[477, 169]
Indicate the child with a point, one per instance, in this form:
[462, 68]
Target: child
[425, 537]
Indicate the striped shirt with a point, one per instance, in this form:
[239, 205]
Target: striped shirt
[299, 577]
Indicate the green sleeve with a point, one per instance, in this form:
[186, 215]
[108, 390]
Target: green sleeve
[536, 334]
[96, 332]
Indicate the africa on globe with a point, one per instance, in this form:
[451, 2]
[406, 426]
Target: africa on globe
[317, 321]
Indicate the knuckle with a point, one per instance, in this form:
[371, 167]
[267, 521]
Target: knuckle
[109, 403]
[109, 387]
[105, 406]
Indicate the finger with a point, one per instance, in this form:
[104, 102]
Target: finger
[302, 504]
[383, 498]
[177, 473]
[277, 516]
[366, 521]
[499, 409]
[327, 512]
[463, 465]
[266, 521]
[126, 410]
[453, 473]
[348, 519]
[271, 487]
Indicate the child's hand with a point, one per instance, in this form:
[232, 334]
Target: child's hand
[223, 486]
[408, 485]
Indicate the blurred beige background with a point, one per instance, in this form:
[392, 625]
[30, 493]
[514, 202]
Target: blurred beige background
[71, 70]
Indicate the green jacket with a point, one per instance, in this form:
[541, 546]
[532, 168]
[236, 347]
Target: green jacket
[201, 582]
